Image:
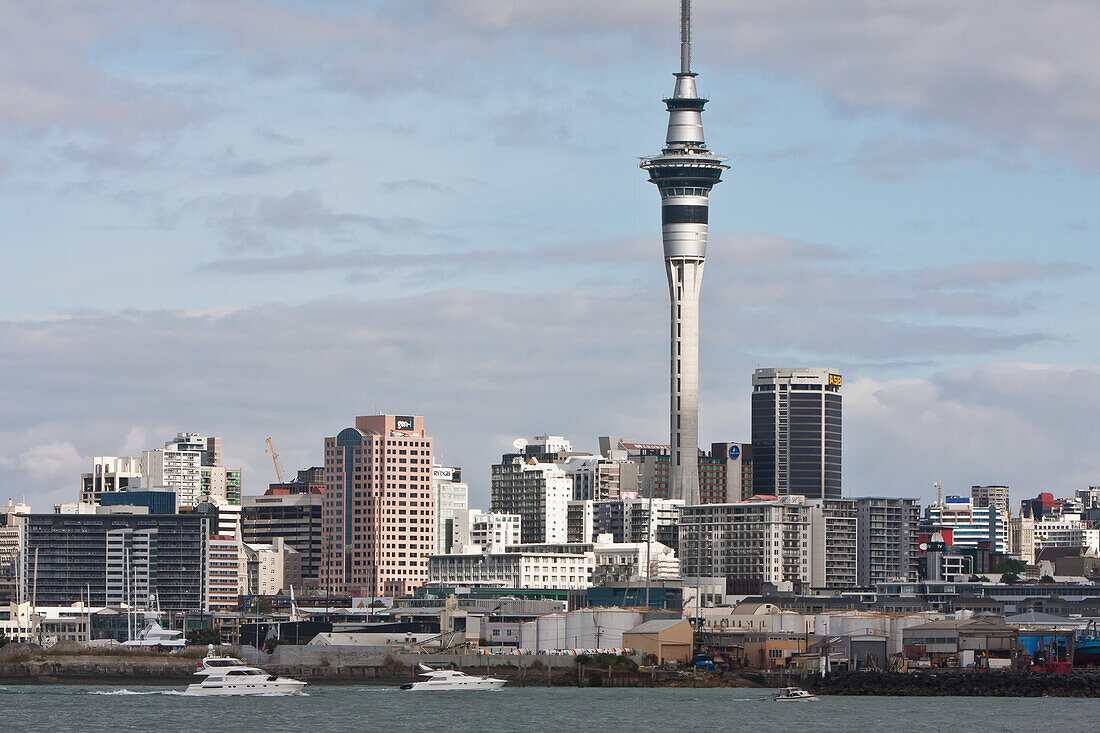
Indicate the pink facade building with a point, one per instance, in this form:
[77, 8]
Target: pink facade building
[378, 520]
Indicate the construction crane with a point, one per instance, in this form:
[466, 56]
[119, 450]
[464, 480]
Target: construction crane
[275, 460]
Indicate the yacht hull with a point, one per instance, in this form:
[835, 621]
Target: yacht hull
[281, 686]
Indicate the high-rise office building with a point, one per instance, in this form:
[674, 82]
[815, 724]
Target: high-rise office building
[450, 494]
[378, 525]
[684, 172]
[796, 432]
[292, 517]
[997, 496]
[111, 558]
[538, 492]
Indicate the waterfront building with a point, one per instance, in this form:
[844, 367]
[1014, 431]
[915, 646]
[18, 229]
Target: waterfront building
[223, 572]
[538, 565]
[108, 475]
[796, 432]
[378, 521]
[725, 473]
[631, 561]
[1068, 530]
[273, 568]
[156, 501]
[833, 543]
[887, 539]
[538, 492]
[626, 520]
[10, 518]
[293, 517]
[180, 465]
[992, 496]
[594, 477]
[785, 541]
[450, 494]
[970, 524]
[76, 556]
[478, 531]
[308, 481]
[684, 172]
[756, 541]
[220, 483]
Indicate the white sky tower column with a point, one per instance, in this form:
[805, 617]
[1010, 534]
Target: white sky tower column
[684, 173]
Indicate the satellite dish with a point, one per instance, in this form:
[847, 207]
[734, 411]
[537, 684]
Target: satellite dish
[923, 546]
[519, 443]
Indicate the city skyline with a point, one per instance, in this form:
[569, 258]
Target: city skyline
[215, 213]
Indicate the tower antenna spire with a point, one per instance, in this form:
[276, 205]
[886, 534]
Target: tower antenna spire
[685, 36]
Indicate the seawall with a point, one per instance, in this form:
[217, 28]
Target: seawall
[940, 683]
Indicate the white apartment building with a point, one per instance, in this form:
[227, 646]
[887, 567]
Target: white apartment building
[10, 517]
[627, 561]
[833, 544]
[272, 568]
[544, 565]
[886, 539]
[478, 531]
[178, 466]
[755, 540]
[594, 477]
[538, 492]
[1065, 531]
[108, 475]
[451, 494]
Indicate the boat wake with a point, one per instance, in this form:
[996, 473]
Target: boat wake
[124, 691]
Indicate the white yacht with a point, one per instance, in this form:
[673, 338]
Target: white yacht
[446, 679]
[231, 676]
[793, 693]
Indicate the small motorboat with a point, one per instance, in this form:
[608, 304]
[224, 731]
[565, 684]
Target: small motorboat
[447, 680]
[793, 693]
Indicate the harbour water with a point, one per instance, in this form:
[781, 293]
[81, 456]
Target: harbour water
[49, 708]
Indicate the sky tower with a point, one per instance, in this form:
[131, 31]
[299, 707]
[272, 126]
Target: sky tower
[684, 173]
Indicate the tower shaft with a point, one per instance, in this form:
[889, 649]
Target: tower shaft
[685, 277]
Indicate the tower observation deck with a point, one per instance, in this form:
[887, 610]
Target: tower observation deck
[684, 173]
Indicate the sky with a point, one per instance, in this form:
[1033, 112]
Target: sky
[258, 219]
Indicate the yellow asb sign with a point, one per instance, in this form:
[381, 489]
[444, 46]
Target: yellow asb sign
[834, 380]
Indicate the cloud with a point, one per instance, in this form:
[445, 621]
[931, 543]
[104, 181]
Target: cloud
[56, 462]
[263, 222]
[479, 365]
[997, 68]
[1030, 426]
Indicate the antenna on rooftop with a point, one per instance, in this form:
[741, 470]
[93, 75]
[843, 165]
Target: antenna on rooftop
[938, 486]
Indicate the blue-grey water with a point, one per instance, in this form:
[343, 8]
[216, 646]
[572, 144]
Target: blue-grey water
[52, 709]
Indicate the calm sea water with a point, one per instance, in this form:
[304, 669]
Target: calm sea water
[51, 709]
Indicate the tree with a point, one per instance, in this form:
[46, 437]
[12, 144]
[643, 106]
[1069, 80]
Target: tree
[4, 639]
[202, 637]
[1010, 578]
[1010, 566]
[1047, 579]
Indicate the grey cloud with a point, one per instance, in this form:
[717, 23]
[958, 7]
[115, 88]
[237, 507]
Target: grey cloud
[416, 184]
[1000, 68]
[1030, 426]
[262, 223]
[231, 164]
[482, 367]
